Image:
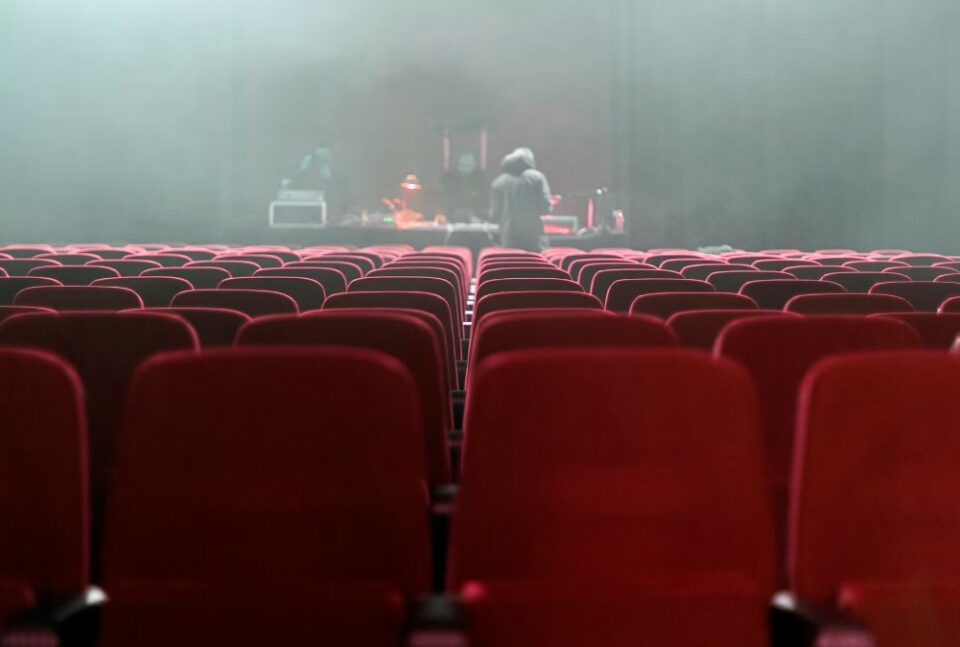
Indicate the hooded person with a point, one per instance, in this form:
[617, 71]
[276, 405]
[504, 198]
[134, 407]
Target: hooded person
[518, 198]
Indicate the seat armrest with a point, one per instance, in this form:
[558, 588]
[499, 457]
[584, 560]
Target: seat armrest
[795, 623]
[70, 623]
[437, 621]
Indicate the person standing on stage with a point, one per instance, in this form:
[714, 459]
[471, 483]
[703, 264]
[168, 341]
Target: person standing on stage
[518, 198]
[318, 172]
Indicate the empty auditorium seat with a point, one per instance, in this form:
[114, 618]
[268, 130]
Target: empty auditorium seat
[105, 349]
[262, 261]
[436, 272]
[921, 260]
[255, 303]
[703, 271]
[22, 266]
[165, 259]
[500, 286]
[293, 510]
[604, 279]
[333, 281]
[402, 336]
[201, 278]
[665, 304]
[511, 330]
[566, 261]
[350, 271]
[544, 272]
[440, 287]
[588, 272]
[43, 478]
[25, 251]
[846, 304]
[65, 299]
[658, 260]
[778, 351]
[701, 328]
[602, 505]
[775, 294]
[622, 293]
[193, 253]
[874, 266]
[732, 281]
[154, 291]
[679, 264]
[214, 326]
[106, 253]
[70, 259]
[874, 511]
[924, 296]
[528, 300]
[922, 273]
[127, 267]
[74, 275]
[363, 263]
[863, 282]
[938, 331]
[950, 306]
[308, 294]
[236, 269]
[11, 286]
[781, 264]
[430, 303]
[815, 272]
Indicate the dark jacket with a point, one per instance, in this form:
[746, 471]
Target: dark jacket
[519, 197]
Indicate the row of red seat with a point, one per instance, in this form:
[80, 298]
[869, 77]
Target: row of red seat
[239, 515]
[585, 423]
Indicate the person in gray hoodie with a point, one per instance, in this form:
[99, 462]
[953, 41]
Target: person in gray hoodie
[518, 198]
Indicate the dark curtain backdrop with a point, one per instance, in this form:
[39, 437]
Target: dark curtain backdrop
[771, 123]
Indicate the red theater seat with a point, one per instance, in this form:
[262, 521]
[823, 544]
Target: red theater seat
[732, 281]
[938, 331]
[863, 282]
[25, 251]
[775, 295]
[816, 272]
[308, 294]
[781, 264]
[779, 351]
[703, 271]
[429, 303]
[22, 266]
[255, 303]
[604, 279]
[235, 269]
[924, 296]
[450, 275]
[499, 286]
[921, 260]
[127, 267]
[43, 478]
[517, 272]
[262, 261]
[11, 286]
[846, 304]
[214, 326]
[362, 263]
[602, 505]
[950, 306]
[701, 328]
[922, 273]
[666, 304]
[533, 300]
[624, 292]
[403, 336]
[293, 510]
[74, 275]
[589, 272]
[350, 271]
[875, 522]
[874, 266]
[70, 259]
[165, 259]
[441, 288]
[333, 281]
[201, 278]
[154, 291]
[193, 253]
[64, 299]
[511, 330]
[105, 349]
